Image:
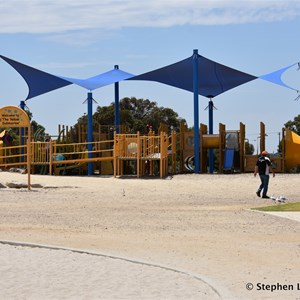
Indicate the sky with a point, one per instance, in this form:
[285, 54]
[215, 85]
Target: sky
[83, 38]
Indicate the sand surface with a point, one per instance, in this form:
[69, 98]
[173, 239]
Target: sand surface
[185, 237]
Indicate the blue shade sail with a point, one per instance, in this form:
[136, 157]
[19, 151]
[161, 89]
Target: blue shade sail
[214, 78]
[275, 77]
[101, 80]
[38, 82]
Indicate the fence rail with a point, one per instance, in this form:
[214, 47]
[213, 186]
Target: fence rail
[56, 156]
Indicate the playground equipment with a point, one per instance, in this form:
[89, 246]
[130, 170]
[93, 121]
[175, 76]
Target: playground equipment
[291, 149]
[76, 168]
[79, 134]
[229, 143]
[144, 151]
[66, 158]
[277, 160]
[289, 158]
[146, 154]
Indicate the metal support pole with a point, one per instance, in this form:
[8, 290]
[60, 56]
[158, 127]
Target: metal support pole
[22, 106]
[211, 131]
[196, 112]
[90, 132]
[117, 106]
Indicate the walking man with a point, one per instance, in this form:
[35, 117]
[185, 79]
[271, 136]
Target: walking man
[263, 167]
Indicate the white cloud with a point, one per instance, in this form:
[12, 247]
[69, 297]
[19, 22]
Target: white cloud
[55, 16]
[79, 37]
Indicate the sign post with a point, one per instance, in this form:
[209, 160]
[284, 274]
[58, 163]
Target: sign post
[13, 116]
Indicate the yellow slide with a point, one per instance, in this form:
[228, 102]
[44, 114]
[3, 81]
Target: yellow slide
[292, 149]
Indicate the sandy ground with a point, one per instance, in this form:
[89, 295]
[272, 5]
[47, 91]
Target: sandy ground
[186, 237]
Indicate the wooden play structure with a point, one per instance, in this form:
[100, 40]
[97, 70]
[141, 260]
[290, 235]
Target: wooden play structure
[62, 159]
[278, 161]
[145, 151]
[291, 150]
[229, 144]
[145, 155]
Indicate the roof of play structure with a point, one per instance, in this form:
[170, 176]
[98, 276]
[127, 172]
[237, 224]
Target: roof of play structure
[213, 78]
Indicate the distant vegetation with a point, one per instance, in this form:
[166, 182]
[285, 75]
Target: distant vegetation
[136, 115]
[294, 125]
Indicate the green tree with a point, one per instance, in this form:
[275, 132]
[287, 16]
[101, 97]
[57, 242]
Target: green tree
[249, 148]
[28, 112]
[38, 131]
[137, 115]
[294, 125]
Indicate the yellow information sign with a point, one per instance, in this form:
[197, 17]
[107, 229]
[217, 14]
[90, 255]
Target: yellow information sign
[13, 116]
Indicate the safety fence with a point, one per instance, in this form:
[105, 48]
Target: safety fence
[57, 158]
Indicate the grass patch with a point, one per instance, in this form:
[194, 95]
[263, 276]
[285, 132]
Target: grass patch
[281, 207]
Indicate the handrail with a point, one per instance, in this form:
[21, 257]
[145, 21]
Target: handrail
[140, 148]
[46, 152]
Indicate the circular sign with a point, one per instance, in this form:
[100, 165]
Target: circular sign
[13, 116]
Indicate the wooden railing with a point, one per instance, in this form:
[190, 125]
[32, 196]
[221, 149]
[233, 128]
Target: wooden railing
[144, 149]
[54, 155]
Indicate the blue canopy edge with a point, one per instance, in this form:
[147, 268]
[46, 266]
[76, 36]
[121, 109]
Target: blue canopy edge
[275, 77]
[38, 82]
[214, 78]
[101, 80]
